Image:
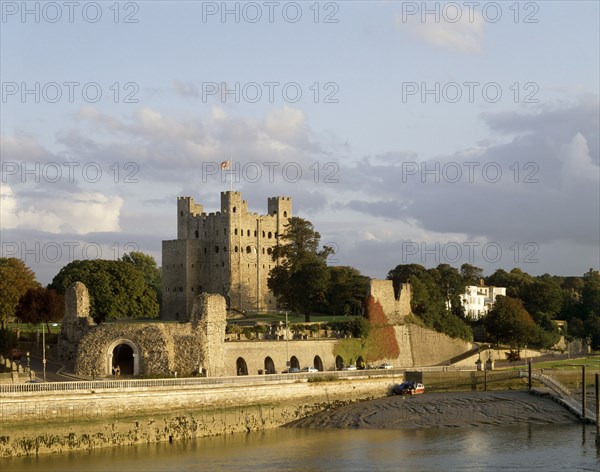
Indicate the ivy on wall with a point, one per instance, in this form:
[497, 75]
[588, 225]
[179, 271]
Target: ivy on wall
[379, 342]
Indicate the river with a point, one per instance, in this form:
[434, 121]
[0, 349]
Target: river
[511, 448]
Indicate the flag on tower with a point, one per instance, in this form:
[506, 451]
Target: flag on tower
[224, 165]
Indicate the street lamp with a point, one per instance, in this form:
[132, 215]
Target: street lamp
[287, 346]
[44, 351]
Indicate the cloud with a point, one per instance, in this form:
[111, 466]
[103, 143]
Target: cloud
[465, 35]
[577, 161]
[186, 89]
[522, 186]
[82, 213]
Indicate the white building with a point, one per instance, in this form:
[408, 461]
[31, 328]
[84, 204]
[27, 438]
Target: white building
[478, 300]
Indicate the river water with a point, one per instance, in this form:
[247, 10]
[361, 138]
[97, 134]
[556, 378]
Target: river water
[526, 447]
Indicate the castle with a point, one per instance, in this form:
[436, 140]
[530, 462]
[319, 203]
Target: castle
[227, 253]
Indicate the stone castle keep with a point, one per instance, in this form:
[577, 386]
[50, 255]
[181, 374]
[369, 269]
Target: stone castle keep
[227, 252]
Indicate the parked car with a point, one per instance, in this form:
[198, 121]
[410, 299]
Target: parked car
[310, 369]
[349, 367]
[385, 366]
[291, 370]
[408, 388]
[16, 353]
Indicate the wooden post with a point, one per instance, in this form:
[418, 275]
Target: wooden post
[583, 392]
[529, 377]
[485, 380]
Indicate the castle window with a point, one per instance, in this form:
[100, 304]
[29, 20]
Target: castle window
[235, 231]
[205, 234]
[224, 248]
[199, 288]
[181, 213]
[192, 266]
[269, 250]
[222, 264]
[192, 289]
[225, 231]
[248, 233]
[248, 249]
[197, 234]
[276, 234]
[270, 235]
[263, 234]
[181, 289]
[274, 212]
[285, 214]
[254, 233]
[217, 232]
[204, 250]
[236, 249]
[216, 249]
[263, 250]
[234, 209]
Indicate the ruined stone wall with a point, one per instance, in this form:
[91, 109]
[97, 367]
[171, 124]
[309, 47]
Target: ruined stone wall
[208, 325]
[418, 346]
[76, 322]
[395, 309]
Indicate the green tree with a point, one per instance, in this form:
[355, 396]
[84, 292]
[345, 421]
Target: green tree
[15, 279]
[117, 289]
[543, 295]
[471, 275]
[515, 281]
[146, 264]
[452, 286]
[402, 273]
[301, 278]
[508, 322]
[41, 305]
[590, 295]
[346, 292]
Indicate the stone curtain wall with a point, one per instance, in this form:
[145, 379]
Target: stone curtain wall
[255, 352]
[418, 346]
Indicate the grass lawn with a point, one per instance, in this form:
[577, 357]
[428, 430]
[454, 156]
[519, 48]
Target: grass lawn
[569, 364]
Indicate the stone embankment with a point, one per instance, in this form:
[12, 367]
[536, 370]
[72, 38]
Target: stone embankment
[36, 423]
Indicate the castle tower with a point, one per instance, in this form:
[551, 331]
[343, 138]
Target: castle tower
[227, 252]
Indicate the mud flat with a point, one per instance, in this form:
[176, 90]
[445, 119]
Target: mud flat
[442, 410]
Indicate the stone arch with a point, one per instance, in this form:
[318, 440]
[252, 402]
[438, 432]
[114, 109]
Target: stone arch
[318, 363]
[360, 363]
[339, 363]
[241, 367]
[294, 362]
[269, 366]
[124, 353]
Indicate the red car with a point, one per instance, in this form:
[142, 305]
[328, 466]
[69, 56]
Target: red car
[16, 353]
[408, 388]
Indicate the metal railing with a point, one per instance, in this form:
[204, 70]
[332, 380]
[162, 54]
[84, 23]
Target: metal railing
[566, 396]
[87, 385]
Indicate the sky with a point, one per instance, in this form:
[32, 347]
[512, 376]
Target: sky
[406, 132]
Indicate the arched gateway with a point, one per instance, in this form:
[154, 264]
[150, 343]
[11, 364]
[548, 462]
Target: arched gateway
[126, 355]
